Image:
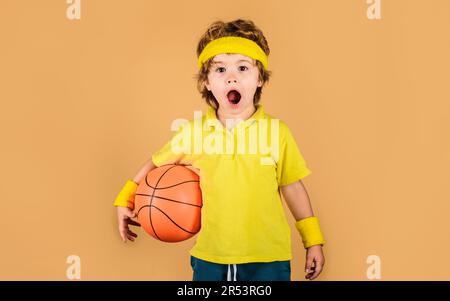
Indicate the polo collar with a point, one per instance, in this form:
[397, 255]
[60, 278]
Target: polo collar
[258, 114]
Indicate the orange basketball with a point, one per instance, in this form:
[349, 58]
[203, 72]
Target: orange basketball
[168, 203]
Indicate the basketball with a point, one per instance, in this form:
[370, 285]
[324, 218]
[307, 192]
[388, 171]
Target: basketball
[168, 203]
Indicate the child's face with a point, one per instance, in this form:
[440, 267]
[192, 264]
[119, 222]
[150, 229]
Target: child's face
[233, 72]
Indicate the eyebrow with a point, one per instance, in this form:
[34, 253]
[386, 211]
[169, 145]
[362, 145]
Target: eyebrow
[220, 62]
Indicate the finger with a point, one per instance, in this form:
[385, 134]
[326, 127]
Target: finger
[131, 233]
[315, 274]
[310, 273]
[123, 235]
[130, 237]
[133, 223]
[121, 230]
[308, 264]
[197, 171]
[317, 271]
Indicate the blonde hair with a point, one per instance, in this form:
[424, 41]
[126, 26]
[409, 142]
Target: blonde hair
[237, 28]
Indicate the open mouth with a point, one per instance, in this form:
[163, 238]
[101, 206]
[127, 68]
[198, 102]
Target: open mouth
[234, 97]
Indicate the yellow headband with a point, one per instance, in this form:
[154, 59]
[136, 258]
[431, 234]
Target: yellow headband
[233, 45]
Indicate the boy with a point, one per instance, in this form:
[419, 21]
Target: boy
[244, 233]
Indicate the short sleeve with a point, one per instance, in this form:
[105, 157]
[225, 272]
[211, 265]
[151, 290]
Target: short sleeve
[291, 165]
[177, 150]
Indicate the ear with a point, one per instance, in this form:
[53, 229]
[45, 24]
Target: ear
[260, 83]
[207, 85]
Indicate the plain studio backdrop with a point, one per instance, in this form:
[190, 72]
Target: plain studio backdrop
[85, 102]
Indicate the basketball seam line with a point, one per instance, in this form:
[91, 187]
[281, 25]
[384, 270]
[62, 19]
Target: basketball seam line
[167, 199]
[172, 185]
[169, 218]
[151, 199]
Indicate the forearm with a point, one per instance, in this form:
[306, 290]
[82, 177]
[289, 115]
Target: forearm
[307, 224]
[297, 200]
[144, 171]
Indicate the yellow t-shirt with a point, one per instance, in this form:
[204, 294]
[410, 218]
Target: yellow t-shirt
[242, 216]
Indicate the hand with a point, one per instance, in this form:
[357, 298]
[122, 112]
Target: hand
[124, 216]
[196, 170]
[314, 254]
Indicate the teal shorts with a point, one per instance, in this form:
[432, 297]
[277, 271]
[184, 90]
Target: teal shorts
[254, 271]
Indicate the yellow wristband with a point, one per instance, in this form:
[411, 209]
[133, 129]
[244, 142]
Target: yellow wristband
[125, 197]
[310, 231]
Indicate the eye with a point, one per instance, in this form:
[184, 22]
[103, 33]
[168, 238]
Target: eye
[220, 69]
[243, 68]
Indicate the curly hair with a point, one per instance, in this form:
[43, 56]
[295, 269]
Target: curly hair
[237, 28]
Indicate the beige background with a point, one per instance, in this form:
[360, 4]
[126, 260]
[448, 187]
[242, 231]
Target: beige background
[84, 103]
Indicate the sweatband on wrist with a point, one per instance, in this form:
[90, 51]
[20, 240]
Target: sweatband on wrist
[233, 45]
[309, 229]
[124, 198]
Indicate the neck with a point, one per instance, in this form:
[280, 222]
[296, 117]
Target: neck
[235, 117]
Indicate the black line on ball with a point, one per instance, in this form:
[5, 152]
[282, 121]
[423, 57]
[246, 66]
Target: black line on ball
[151, 199]
[181, 228]
[171, 185]
[167, 199]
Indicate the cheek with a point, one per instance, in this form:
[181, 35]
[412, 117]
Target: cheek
[252, 84]
[214, 83]
[255, 78]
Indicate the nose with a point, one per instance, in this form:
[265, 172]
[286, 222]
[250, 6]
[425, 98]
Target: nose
[231, 77]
